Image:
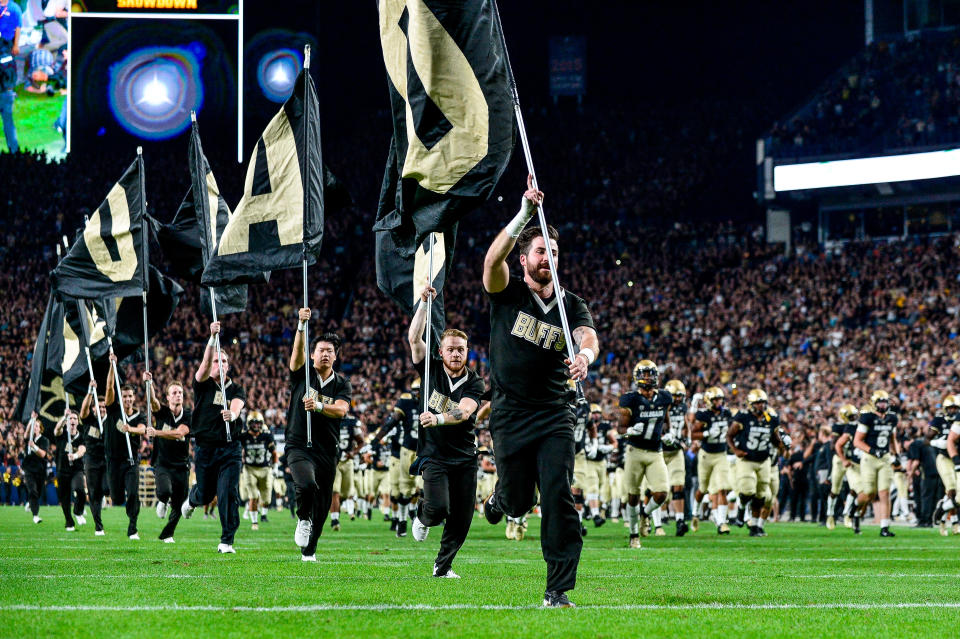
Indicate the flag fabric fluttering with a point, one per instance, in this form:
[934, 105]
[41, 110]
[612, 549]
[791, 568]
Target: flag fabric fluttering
[45, 392]
[108, 258]
[123, 316]
[453, 135]
[279, 220]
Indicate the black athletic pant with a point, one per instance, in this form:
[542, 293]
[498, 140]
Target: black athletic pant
[931, 490]
[95, 475]
[172, 487]
[125, 489]
[449, 495]
[36, 481]
[547, 463]
[313, 474]
[69, 483]
[218, 475]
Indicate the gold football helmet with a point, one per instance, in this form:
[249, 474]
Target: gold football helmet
[879, 396]
[756, 395]
[712, 394]
[849, 413]
[416, 384]
[676, 388]
[595, 408]
[951, 401]
[645, 374]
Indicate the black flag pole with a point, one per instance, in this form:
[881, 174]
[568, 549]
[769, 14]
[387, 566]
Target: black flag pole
[515, 96]
[146, 287]
[306, 202]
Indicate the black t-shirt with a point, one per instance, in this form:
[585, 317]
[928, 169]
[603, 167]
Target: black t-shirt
[257, 449]
[76, 441]
[93, 441]
[408, 410]
[755, 434]
[527, 347]
[647, 417]
[715, 429]
[580, 436]
[326, 430]
[116, 440]
[206, 423]
[677, 413]
[926, 455]
[452, 443]
[878, 430]
[171, 453]
[31, 461]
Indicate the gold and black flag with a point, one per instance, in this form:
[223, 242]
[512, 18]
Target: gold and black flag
[192, 236]
[123, 316]
[453, 131]
[279, 220]
[108, 258]
[45, 392]
[67, 339]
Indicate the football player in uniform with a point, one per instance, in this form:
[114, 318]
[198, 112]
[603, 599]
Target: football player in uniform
[580, 457]
[596, 448]
[313, 461]
[644, 413]
[447, 448]
[70, 452]
[953, 451]
[487, 474]
[259, 458]
[840, 466]
[713, 470]
[749, 437]
[849, 457]
[171, 445]
[937, 437]
[876, 438]
[124, 472]
[673, 440]
[351, 439]
[532, 419]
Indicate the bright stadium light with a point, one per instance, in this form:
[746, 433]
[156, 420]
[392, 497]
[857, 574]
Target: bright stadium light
[876, 170]
[155, 93]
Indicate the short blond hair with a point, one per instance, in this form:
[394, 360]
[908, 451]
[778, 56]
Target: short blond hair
[453, 332]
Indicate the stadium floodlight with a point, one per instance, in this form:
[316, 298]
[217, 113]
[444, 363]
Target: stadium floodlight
[875, 170]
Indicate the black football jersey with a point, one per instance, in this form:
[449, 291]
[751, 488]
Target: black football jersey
[409, 409]
[756, 434]
[598, 448]
[172, 453]
[850, 451]
[527, 347]
[453, 443]
[349, 431]
[677, 415]
[647, 417]
[325, 430]
[257, 449]
[582, 410]
[939, 430]
[878, 430]
[715, 429]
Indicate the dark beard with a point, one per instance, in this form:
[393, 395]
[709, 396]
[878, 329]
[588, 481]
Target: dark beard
[535, 276]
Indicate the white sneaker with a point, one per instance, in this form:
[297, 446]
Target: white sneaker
[169, 540]
[186, 510]
[70, 529]
[99, 533]
[304, 530]
[162, 509]
[312, 558]
[135, 537]
[448, 575]
[226, 549]
[36, 519]
[81, 520]
[420, 531]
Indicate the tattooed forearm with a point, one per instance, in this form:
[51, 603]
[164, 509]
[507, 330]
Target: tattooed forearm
[578, 334]
[456, 414]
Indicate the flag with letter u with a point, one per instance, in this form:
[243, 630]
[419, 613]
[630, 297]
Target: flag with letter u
[109, 257]
[279, 220]
[453, 133]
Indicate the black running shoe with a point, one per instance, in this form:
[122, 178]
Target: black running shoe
[755, 531]
[393, 524]
[492, 513]
[885, 532]
[553, 599]
[387, 517]
[682, 528]
[598, 521]
[402, 528]
[263, 517]
[583, 530]
[738, 520]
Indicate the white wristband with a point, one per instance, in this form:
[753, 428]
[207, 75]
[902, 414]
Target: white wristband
[440, 420]
[318, 408]
[212, 341]
[233, 416]
[301, 326]
[517, 224]
[589, 354]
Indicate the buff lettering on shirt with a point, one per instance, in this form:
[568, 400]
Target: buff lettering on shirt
[537, 332]
[316, 396]
[440, 403]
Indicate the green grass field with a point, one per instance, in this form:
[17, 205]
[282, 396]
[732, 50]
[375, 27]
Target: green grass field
[800, 581]
[34, 116]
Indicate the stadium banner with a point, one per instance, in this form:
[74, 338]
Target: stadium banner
[107, 259]
[279, 220]
[202, 7]
[453, 135]
[568, 65]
